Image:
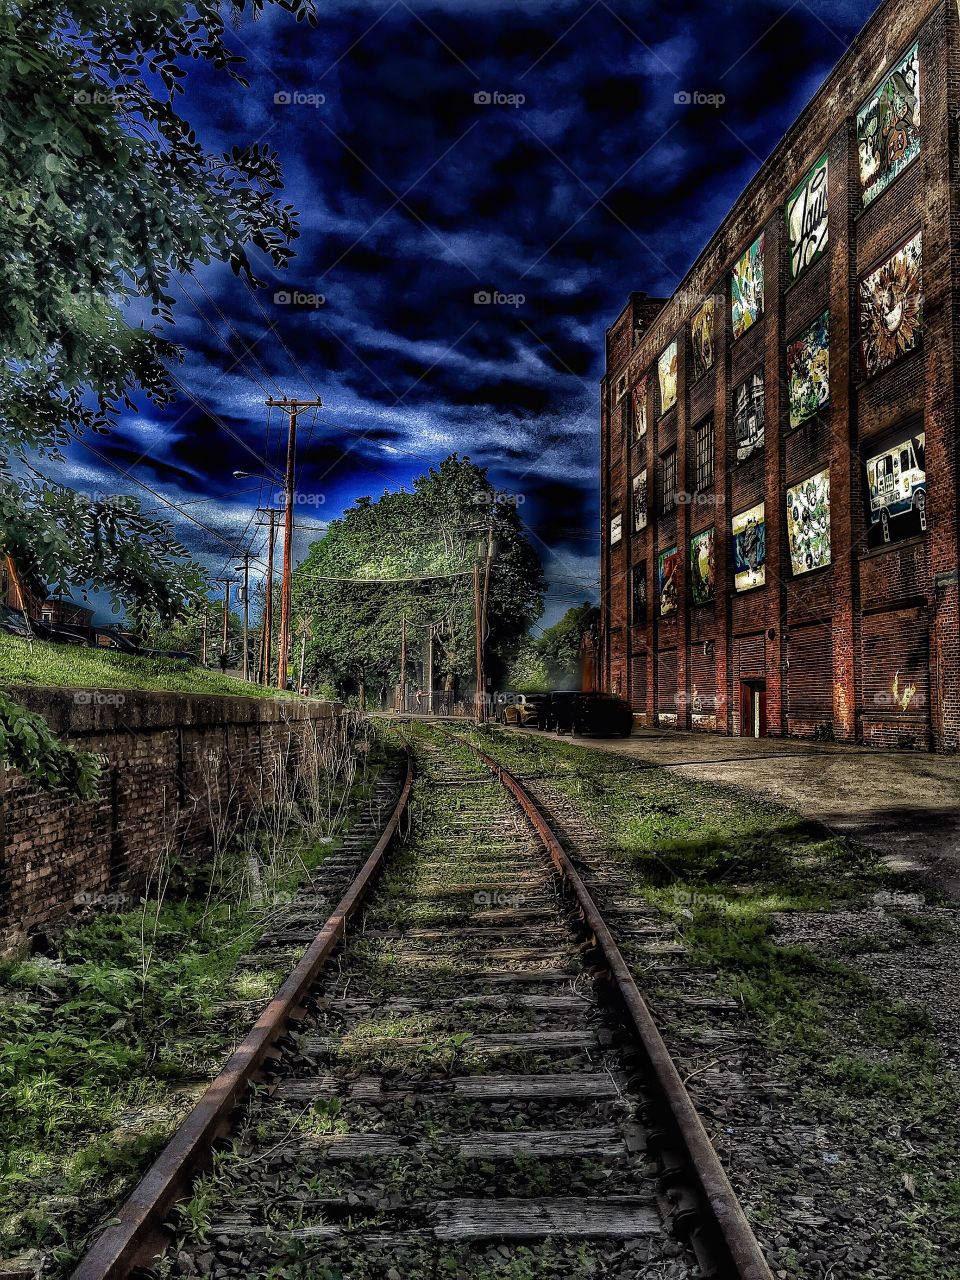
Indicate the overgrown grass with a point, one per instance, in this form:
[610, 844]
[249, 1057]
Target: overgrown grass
[25, 662]
[722, 864]
[101, 1053]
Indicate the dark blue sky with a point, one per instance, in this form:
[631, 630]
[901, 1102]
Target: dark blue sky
[415, 195]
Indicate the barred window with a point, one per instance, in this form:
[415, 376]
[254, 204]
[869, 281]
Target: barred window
[668, 481]
[703, 456]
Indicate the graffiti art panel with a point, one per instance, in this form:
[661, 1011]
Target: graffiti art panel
[808, 523]
[616, 530]
[702, 577]
[667, 370]
[668, 566]
[640, 408]
[891, 308]
[888, 127]
[639, 594]
[749, 548]
[808, 224]
[640, 501]
[808, 371]
[701, 332]
[746, 289]
[748, 415]
[897, 491]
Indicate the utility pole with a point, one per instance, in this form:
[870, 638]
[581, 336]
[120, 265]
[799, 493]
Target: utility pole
[403, 664]
[203, 640]
[268, 603]
[478, 699]
[483, 617]
[293, 407]
[430, 669]
[246, 614]
[225, 583]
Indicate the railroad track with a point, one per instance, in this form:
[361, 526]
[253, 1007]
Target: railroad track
[473, 1089]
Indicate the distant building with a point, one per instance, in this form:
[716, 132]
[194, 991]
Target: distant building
[66, 613]
[779, 438]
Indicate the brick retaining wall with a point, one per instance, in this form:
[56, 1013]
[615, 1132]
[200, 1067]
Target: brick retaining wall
[168, 758]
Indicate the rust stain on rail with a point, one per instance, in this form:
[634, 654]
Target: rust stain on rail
[138, 1229]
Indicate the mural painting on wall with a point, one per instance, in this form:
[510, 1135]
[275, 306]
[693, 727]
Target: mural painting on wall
[701, 332]
[668, 564]
[749, 548]
[616, 530]
[639, 594]
[808, 371]
[640, 501]
[888, 127]
[748, 415]
[808, 224]
[667, 370]
[897, 491]
[808, 523]
[702, 579]
[746, 289]
[640, 409]
[891, 308]
[621, 390]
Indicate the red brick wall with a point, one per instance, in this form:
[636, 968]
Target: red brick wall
[869, 601]
[161, 755]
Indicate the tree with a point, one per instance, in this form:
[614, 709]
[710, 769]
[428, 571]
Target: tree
[560, 646]
[105, 193]
[439, 528]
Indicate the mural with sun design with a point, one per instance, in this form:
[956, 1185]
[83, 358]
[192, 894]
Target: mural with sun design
[891, 308]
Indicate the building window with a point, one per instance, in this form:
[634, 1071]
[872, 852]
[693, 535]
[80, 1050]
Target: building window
[703, 457]
[668, 482]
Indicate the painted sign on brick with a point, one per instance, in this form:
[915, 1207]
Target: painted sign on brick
[639, 594]
[667, 370]
[668, 564]
[808, 523]
[808, 224]
[897, 490]
[808, 371]
[888, 127]
[746, 289]
[702, 578]
[748, 415]
[640, 501]
[640, 409]
[749, 548]
[701, 334]
[891, 308]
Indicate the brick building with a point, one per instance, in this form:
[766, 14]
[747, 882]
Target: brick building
[779, 438]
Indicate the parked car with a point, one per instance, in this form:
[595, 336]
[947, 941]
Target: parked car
[57, 634]
[105, 638]
[521, 708]
[604, 714]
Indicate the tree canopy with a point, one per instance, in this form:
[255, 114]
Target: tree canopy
[107, 193]
[440, 527]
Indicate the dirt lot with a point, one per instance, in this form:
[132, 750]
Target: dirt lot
[904, 804]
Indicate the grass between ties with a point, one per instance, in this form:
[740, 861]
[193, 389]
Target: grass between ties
[722, 865]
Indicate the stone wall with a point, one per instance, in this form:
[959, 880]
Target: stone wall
[169, 759]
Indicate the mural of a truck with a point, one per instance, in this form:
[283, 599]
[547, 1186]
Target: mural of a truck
[897, 483]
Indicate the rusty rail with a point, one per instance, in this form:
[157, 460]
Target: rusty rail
[136, 1234]
[744, 1250]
